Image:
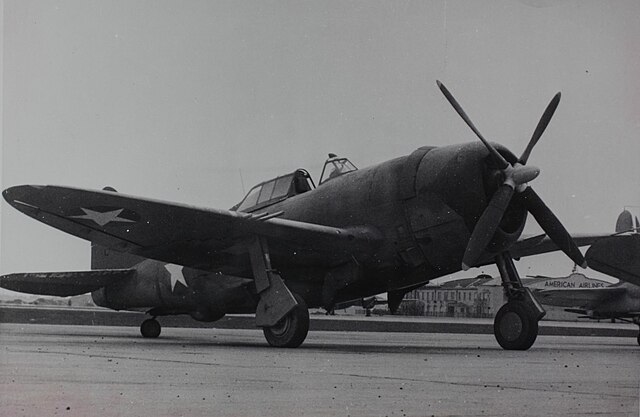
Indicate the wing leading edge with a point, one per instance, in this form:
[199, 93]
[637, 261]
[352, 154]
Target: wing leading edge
[539, 244]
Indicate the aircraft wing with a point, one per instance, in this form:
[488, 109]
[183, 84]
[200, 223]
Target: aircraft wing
[579, 297]
[538, 244]
[200, 238]
[618, 256]
[63, 284]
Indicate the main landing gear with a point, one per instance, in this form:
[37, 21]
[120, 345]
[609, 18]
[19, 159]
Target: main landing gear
[150, 328]
[516, 324]
[292, 329]
[283, 316]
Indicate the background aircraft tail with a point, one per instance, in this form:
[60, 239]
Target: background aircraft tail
[625, 222]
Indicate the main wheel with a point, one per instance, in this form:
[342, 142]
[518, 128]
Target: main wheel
[291, 331]
[515, 326]
[639, 338]
[150, 328]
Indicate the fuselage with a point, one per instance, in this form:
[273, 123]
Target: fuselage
[423, 206]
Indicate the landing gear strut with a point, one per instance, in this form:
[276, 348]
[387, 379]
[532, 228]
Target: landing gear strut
[283, 316]
[150, 328]
[516, 324]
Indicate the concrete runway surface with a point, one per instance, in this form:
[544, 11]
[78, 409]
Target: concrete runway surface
[53, 370]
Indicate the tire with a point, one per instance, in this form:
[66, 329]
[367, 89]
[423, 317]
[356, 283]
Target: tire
[638, 338]
[150, 328]
[515, 326]
[291, 331]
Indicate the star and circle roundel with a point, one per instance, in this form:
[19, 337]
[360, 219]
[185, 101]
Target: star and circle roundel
[105, 215]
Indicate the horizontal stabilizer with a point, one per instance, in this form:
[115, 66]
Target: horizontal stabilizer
[63, 284]
[618, 256]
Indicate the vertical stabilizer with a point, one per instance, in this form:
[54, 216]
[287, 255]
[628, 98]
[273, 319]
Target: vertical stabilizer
[624, 222]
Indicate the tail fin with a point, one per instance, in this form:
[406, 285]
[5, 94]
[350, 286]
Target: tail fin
[625, 222]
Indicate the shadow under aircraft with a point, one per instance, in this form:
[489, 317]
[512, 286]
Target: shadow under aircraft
[289, 245]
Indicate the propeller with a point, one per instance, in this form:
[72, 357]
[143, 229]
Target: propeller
[516, 177]
[542, 125]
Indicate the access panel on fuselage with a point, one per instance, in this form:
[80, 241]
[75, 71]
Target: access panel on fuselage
[439, 232]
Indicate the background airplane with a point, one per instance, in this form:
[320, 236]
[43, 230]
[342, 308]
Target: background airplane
[619, 301]
[618, 256]
[289, 245]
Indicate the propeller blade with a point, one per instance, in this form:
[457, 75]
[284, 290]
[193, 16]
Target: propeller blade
[487, 225]
[552, 226]
[542, 125]
[502, 163]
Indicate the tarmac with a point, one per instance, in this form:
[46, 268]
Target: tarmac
[73, 370]
[96, 316]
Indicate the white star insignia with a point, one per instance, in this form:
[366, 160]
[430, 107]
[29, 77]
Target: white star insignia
[176, 275]
[102, 219]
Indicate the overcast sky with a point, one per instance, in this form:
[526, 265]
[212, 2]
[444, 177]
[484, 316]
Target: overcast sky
[194, 101]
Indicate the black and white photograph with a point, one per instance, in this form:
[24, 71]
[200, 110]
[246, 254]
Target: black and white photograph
[320, 208]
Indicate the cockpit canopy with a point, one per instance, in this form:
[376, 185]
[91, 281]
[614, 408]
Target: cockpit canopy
[335, 167]
[277, 189]
[285, 186]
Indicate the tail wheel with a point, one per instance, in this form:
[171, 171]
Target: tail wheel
[291, 331]
[150, 328]
[515, 326]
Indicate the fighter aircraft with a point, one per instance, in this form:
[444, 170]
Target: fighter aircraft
[289, 245]
[618, 256]
[619, 301]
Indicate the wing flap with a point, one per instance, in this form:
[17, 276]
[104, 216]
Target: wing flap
[63, 284]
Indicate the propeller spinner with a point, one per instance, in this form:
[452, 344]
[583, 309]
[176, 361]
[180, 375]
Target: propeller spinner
[516, 176]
